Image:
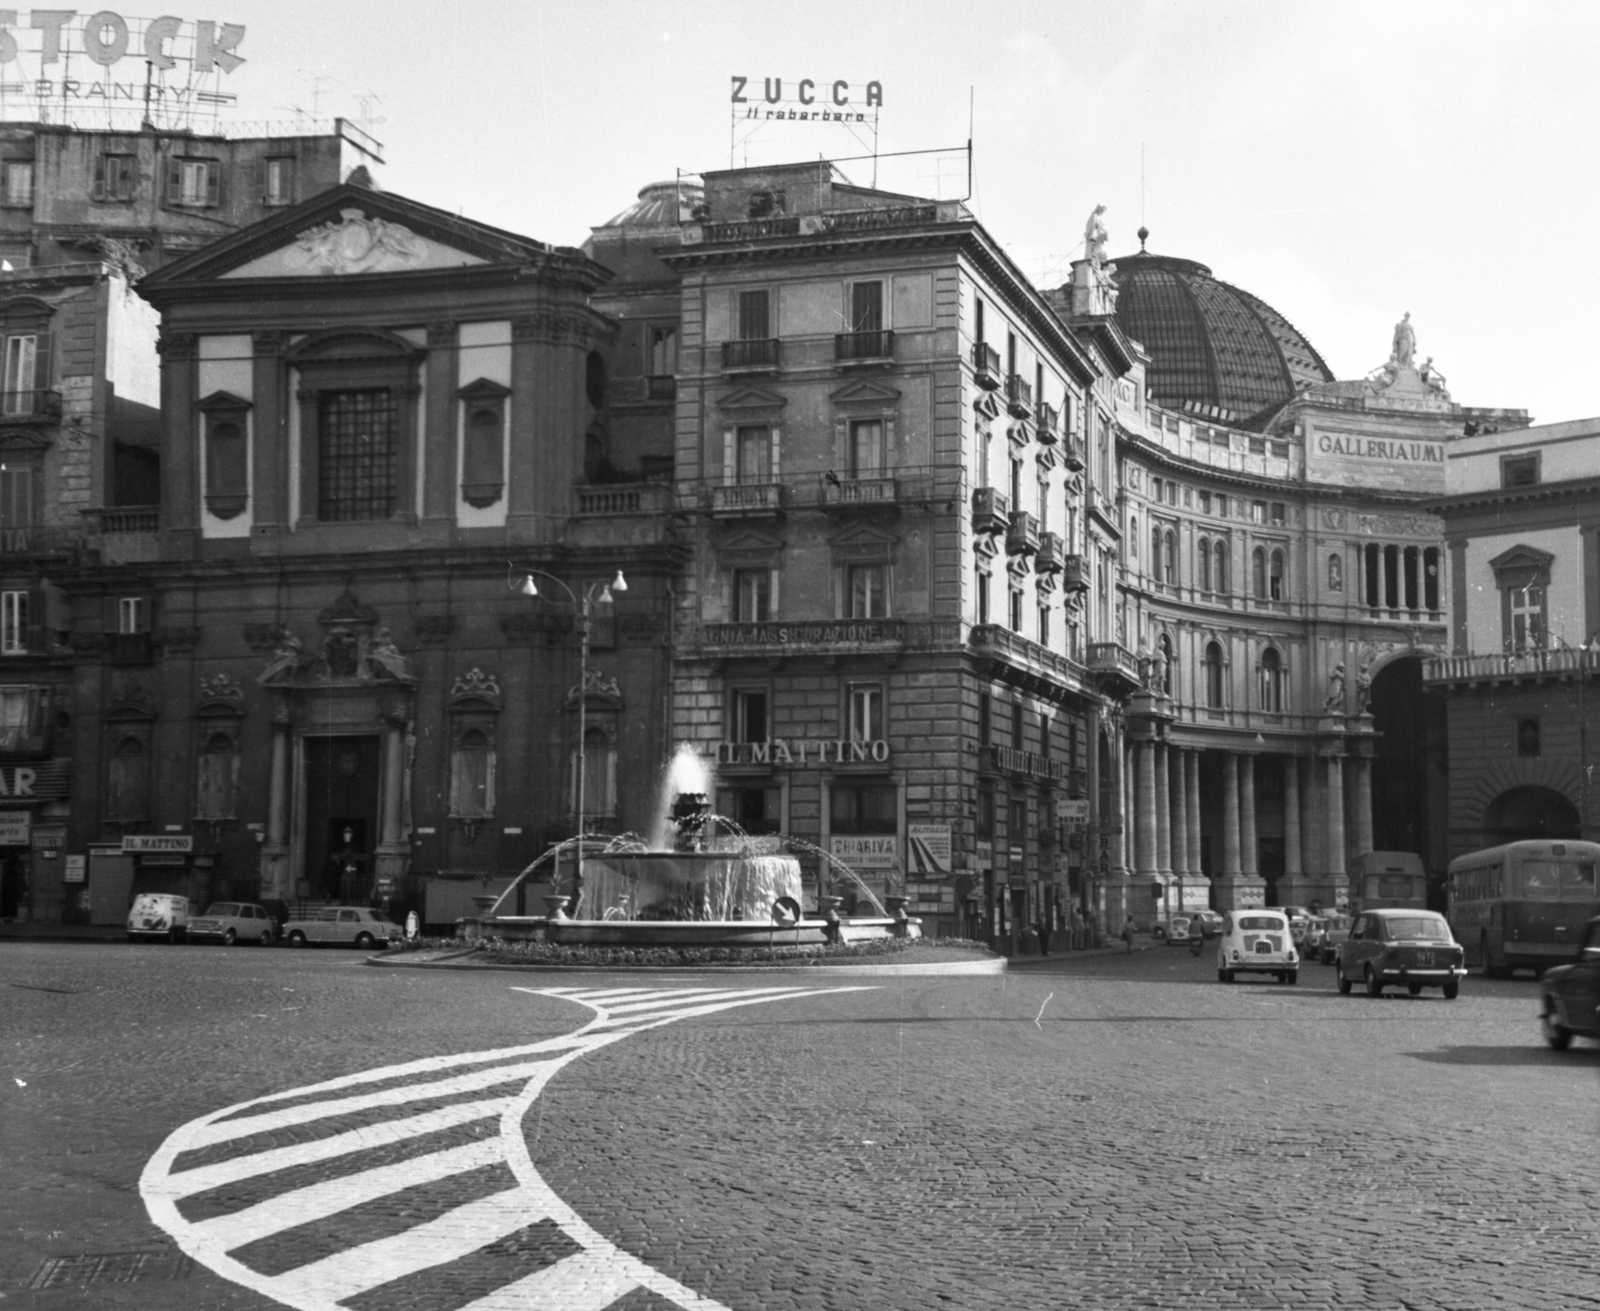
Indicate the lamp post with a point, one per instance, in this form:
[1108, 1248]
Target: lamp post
[596, 591]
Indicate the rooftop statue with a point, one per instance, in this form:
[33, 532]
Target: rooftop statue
[1095, 237]
[1405, 343]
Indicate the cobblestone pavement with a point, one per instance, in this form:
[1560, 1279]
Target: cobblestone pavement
[1090, 1131]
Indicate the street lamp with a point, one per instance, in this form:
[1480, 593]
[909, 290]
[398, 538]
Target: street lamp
[596, 591]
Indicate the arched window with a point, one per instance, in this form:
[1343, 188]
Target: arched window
[1155, 552]
[1202, 557]
[1169, 678]
[1270, 679]
[1169, 557]
[1219, 567]
[1276, 588]
[1258, 574]
[1133, 538]
[1213, 676]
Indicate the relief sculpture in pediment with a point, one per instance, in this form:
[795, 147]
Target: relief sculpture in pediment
[356, 244]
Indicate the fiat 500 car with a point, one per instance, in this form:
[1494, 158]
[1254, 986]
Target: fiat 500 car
[229, 922]
[1171, 929]
[1257, 942]
[1569, 995]
[1402, 946]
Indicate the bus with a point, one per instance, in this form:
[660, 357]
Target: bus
[1380, 879]
[1523, 905]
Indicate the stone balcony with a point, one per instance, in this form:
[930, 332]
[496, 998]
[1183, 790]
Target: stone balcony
[1533, 665]
[1013, 659]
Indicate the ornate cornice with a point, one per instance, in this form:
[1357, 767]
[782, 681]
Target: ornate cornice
[177, 345]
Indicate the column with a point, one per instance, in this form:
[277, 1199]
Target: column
[1249, 863]
[1144, 808]
[274, 867]
[1292, 865]
[1191, 771]
[438, 436]
[1230, 815]
[1363, 804]
[1180, 812]
[269, 453]
[1335, 812]
[393, 851]
[1163, 807]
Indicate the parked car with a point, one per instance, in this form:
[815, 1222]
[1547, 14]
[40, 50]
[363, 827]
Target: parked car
[229, 922]
[1401, 945]
[356, 925]
[1569, 995]
[1299, 921]
[1257, 942]
[158, 915]
[1207, 923]
[1329, 933]
[1171, 929]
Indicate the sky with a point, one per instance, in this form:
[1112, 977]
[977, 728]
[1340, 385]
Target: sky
[1346, 162]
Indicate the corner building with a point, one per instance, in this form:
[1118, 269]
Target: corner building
[880, 461]
[1284, 580]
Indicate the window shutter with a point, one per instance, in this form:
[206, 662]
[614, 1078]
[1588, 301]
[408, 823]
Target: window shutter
[100, 184]
[214, 183]
[262, 182]
[730, 467]
[174, 180]
[776, 443]
[41, 362]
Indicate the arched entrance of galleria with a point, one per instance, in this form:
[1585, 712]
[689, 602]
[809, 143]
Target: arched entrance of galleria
[1529, 813]
[1409, 776]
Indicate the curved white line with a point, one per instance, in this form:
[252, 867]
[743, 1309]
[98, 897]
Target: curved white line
[599, 1274]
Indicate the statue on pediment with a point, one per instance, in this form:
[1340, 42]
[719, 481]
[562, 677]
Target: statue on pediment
[356, 244]
[385, 660]
[1095, 237]
[286, 656]
[1405, 343]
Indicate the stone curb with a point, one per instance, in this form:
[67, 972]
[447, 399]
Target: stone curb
[454, 962]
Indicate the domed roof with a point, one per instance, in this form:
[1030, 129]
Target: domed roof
[1211, 343]
[660, 205]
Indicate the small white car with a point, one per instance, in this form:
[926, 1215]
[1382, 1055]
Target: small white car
[158, 915]
[357, 926]
[229, 922]
[1257, 942]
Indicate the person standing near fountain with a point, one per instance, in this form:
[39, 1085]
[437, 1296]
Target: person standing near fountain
[1042, 928]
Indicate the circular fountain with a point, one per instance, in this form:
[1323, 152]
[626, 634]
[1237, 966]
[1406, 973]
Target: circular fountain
[701, 882]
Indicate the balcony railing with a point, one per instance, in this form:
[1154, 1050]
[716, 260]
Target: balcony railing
[1019, 397]
[786, 225]
[736, 500]
[858, 493]
[1560, 662]
[755, 354]
[25, 405]
[1022, 534]
[1025, 664]
[616, 499]
[893, 216]
[660, 387]
[1051, 554]
[1049, 425]
[124, 519]
[863, 347]
[1114, 666]
[991, 511]
[1075, 573]
[985, 366]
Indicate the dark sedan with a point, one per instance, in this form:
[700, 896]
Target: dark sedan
[1569, 995]
[1414, 948]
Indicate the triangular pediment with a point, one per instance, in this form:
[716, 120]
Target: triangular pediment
[863, 534]
[746, 399]
[866, 391]
[1522, 557]
[750, 539]
[355, 231]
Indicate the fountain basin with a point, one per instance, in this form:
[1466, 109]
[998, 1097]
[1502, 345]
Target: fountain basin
[666, 887]
[683, 933]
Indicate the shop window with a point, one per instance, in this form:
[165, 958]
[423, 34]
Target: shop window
[1212, 668]
[863, 808]
[757, 809]
[483, 442]
[472, 764]
[194, 183]
[750, 720]
[752, 596]
[866, 712]
[217, 786]
[116, 177]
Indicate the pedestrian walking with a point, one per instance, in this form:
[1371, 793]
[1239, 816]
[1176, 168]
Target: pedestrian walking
[1127, 933]
[1042, 928]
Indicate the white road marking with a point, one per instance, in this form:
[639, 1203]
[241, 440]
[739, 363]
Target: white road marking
[592, 1278]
